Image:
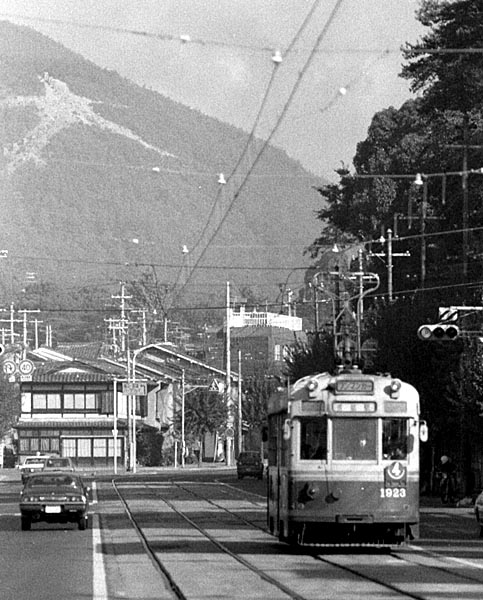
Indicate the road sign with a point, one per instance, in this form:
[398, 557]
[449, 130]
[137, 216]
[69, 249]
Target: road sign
[216, 386]
[26, 367]
[9, 367]
[134, 388]
[229, 432]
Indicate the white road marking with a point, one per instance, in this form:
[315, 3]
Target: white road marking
[99, 584]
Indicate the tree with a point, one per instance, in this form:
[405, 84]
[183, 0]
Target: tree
[9, 405]
[204, 413]
[449, 79]
[316, 356]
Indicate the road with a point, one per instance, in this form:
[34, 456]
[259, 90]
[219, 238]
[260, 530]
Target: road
[200, 533]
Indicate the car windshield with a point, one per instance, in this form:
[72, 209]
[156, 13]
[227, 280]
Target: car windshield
[34, 461]
[57, 463]
[249, 457]
[54, 481]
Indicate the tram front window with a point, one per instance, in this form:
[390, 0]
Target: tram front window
[313, 438]
[354, 439]
[394, 438]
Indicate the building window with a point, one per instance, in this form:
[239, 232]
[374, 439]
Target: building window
[278, 352]
[68, 447]
[110, 447]
[84, 447]
[99, 448]
[39, 402]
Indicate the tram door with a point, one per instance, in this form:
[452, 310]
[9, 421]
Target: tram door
[275, 470]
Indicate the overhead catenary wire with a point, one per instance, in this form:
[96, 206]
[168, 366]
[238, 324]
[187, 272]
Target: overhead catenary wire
[280, 119]
[251, 136]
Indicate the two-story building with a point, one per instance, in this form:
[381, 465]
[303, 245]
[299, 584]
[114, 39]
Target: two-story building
[76, 407]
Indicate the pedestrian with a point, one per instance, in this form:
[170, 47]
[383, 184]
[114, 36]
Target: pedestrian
[447, 479]
[197, 451]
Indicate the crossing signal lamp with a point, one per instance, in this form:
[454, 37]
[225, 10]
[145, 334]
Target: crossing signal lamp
[439, 332]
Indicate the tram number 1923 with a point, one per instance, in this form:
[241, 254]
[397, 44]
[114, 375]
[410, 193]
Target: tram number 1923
[393, 492]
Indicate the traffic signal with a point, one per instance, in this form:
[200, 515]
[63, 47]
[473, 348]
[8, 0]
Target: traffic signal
[439, 332]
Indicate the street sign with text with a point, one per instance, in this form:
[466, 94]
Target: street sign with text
[134, 388]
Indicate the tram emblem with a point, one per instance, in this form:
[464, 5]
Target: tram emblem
[395, 475]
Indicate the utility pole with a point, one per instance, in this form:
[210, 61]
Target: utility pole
[124, 321]
[228, 399]
[183, 441]
[144, 333]
[389, 254]
[240, 412]
[465, 146]
[25, 337]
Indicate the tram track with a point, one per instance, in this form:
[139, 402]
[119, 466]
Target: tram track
[219, 545]
[357, 566]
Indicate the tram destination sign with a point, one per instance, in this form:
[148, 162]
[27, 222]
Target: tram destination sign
[354, 386]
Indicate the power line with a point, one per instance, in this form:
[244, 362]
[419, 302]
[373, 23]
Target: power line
[187, 39]
[272, 133]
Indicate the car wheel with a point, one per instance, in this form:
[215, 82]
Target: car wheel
[26, 523]
[83, 523]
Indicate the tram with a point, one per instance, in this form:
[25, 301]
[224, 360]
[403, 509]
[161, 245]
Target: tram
[343, 460]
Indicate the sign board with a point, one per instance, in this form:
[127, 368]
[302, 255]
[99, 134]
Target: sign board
[9, 367]
[134, 388]
[216, 386]
[26, 367]
[229, 432]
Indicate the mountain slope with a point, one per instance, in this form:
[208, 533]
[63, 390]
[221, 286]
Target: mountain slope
[101, 179]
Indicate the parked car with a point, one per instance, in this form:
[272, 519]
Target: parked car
[249, 463]
[54, 497]
[59, 463]
[32, 464]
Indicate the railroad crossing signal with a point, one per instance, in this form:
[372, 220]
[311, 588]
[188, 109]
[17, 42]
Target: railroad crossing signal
[441, 332]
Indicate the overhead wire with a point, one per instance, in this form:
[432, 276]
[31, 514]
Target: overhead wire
[266, 142]
[248, 142]
[184, 39]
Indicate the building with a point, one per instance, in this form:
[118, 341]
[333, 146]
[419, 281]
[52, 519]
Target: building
[261, 340]
[76, 407]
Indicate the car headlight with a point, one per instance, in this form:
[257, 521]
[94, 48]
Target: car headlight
[76, 499]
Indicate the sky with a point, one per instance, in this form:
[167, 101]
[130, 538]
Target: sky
[340, 61]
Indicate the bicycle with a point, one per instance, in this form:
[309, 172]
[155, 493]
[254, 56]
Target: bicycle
[447, 488]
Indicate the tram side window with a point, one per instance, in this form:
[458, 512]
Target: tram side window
[394, 438]
[354, 438]
[313, 438]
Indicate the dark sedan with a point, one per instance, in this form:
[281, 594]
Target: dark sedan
[54, 497]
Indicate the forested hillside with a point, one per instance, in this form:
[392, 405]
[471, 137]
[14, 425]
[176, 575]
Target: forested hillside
[101, 179]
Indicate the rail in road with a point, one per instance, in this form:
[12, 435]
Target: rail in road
[198, 536]
[207, 539]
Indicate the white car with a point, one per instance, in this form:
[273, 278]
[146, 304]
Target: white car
[32, 464]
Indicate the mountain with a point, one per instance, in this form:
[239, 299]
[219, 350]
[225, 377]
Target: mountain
[101, 179]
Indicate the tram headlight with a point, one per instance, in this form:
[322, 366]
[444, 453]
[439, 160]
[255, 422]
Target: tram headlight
[395, 387]
[308, 493]
[312, 386]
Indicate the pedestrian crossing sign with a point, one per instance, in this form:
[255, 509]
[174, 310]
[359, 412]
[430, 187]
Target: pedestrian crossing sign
[216, 386]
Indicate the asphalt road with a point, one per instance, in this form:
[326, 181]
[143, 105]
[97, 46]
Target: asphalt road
[48, 563]
[108, 560]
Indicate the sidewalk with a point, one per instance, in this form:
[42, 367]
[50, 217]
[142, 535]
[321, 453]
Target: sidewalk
[434, 503]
